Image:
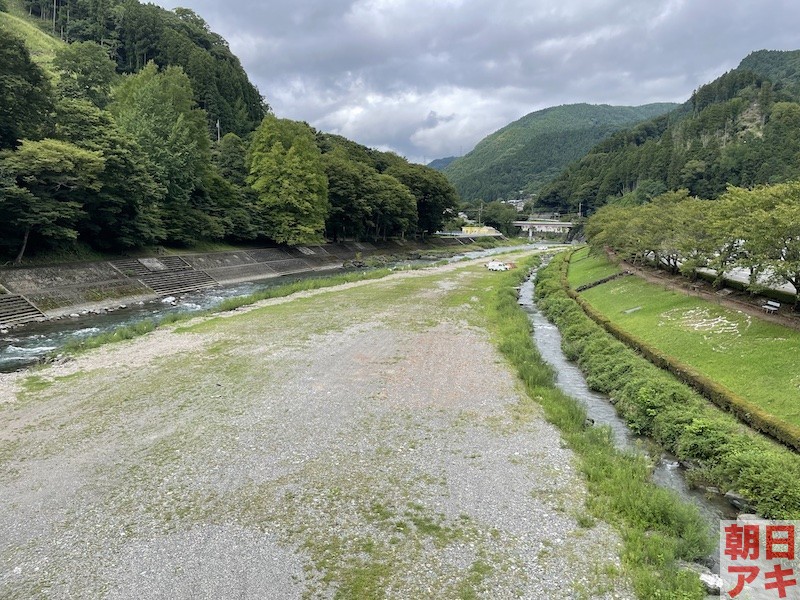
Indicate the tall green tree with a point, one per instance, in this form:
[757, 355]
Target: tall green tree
[285, 170]
[49, 179]
[348, 194]
[230, 157]
[85, 71]
[157, 109]
[435, 195]
[123, 212]
[500, 216]
[25, 94]
[773, 242]
[394, 208]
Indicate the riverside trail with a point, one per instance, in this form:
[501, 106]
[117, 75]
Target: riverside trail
[365, 440]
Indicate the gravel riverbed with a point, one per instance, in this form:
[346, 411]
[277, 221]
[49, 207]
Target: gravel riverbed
[363, 441]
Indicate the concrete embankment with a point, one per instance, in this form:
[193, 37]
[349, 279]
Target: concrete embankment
[36, 293]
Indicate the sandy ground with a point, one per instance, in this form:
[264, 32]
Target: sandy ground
[356, 442]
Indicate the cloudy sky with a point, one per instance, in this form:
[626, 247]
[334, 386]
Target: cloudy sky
[430, 78]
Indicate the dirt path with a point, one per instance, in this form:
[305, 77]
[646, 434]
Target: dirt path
[364, 441]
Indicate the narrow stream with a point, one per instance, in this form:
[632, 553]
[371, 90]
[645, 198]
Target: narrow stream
[667, 472]
[29, 344]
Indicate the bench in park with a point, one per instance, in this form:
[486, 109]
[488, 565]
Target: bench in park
[771, 306]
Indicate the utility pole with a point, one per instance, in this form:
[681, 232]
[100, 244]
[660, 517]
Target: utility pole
[480, 214]
[218, 136]
[580, 208]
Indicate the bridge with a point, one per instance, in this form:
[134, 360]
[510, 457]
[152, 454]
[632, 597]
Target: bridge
[544, 226]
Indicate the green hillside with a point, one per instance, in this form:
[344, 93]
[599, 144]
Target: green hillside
[134, 34]
[741, 129]
[440, 164]
[529, 152]
[42, 47]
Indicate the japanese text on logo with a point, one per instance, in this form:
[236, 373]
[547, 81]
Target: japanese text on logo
[759, 559]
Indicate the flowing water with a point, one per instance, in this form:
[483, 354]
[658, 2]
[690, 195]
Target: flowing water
[25, 346]
[667, 472]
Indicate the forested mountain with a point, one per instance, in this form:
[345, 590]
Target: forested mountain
[441, 163]
[117, 161]
[132, 34]
[742, 129]
[529, 152]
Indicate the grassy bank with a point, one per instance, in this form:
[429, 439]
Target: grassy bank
[657, 530]
[727, 454]
[587, 268]
[753, 358]
[41, 45]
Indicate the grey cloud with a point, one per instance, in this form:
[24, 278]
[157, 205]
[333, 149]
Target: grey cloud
[385, 71]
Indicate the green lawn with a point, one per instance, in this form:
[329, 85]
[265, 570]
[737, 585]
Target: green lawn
[756, 359]
[584, 268]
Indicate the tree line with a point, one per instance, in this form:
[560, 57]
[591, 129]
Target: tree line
[753, 229]
[124, 161]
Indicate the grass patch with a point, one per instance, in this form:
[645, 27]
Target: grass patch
[35, 383]
[657, 529]
[753, 358]
[587, 268]
[42, 46]
[474, 582]
[303, 285]
[118, 335]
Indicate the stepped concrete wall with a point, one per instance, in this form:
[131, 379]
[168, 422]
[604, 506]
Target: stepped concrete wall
[61, 289]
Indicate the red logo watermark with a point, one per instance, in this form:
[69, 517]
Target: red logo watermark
[760, 559]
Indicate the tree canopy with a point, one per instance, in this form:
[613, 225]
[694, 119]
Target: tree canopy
[754, 229]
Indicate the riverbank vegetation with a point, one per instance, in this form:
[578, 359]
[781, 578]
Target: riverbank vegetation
[658, 531]
[753, 358]
[756, 230]
[721, 452]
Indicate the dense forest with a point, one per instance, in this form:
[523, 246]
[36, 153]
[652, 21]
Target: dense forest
[112, 141]
[526, 154]
[133, 34]
[742, 129]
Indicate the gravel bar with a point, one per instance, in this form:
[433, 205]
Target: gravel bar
[363, 441]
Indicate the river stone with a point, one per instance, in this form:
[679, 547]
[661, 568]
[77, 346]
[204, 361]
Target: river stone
[738, 501]
[713, 583]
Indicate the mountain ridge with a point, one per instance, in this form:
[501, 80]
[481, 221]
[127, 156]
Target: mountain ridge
[526, 153]
[741, 129]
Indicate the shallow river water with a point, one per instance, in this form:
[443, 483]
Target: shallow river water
[667, 472]
[27, 345]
